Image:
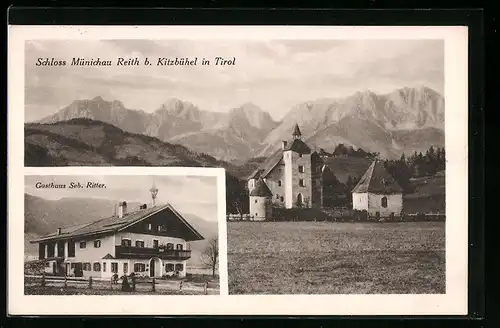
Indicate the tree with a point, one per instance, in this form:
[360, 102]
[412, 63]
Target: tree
[210, 255]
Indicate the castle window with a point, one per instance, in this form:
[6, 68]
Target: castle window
[300, 155]
[97, 266]
[279, 183]
[281, 198]
[103, 266]
[384, 202]
[169, 267]
[97, 243]
[301, 169]
[256, 201]
[179, 267]
[301, 183]
[139, 243]
[86, 266]
[83, 244]
[114, 267]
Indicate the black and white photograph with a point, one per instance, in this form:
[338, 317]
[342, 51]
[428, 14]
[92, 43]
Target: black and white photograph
[115, 235]
[328, 137]
[343, 152]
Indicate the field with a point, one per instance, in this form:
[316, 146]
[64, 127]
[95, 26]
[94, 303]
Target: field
[336, 258]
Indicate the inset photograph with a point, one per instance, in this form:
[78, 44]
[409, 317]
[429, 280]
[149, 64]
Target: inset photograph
[115, 234]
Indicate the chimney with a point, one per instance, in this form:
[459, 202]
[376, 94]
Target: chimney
[58, 231]
[283, 144]
[122, 209]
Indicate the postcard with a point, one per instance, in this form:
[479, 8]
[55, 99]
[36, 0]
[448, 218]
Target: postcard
[249, 170]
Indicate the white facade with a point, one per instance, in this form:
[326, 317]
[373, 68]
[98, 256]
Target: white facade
[260, 207]
[90, 252]
[385, 205]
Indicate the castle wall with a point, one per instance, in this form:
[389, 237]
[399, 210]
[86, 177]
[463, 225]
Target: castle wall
[273, 182]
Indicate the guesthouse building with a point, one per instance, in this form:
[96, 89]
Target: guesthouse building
[150, 241]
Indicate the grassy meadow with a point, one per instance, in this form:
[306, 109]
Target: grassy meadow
[336, 258]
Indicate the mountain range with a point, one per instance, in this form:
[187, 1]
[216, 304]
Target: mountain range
[44, 216]
[405, 120]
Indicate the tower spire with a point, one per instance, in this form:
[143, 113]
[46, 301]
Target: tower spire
[153, 191]
[296, 132]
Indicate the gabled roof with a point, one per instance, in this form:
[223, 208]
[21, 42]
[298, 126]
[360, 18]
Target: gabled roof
[261, 189]
[115, 224]
[377, 180]
[276, 158]
[268, 165]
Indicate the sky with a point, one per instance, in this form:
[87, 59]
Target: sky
[275, 75]
[188, 194]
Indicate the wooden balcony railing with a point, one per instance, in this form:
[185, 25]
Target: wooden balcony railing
[125, 252]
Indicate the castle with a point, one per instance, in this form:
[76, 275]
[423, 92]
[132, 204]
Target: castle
[291, 177]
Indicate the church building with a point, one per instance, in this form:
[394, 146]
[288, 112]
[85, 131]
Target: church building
[290, 178]
[378, 192]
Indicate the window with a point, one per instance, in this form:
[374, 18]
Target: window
[281, 198]
[159, 228]
[139, 267]
[279, 183]
[179, 267]
[71, 248]
[150, 226]
[125, 268]
[170, 246]
[169, 267]
[301, 169]
[83, 244]
[155, 243]
[384, 202]
[126, 242]
[47, 264]
[301, 183]
[139, 243]
[277, 196]
[179, 247]
[86, 266]
[256, 201]
[300, 155]
[103, 266]
[97, 243]
[114, 267]
[97, 266]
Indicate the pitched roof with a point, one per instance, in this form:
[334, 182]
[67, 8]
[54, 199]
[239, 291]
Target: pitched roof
[276, 158]
[377, 180]
[114, 224]
[261, 189]
[266, 167]
[298, 146]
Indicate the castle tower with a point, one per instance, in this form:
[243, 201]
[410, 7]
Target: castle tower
[260, 201]
[298, 172]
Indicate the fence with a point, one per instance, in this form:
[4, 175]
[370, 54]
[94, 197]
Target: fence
[338, 214]
[103, 284]
[239, 217]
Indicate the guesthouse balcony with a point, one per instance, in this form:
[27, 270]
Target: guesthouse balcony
[131, 252]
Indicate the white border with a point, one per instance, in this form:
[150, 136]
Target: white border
[454, 302]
